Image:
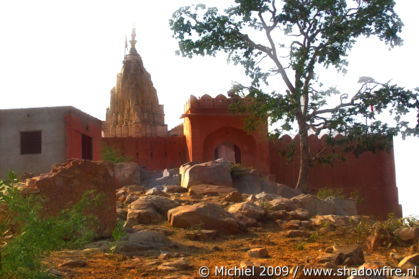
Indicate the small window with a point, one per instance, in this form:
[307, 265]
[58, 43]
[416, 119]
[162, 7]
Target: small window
[30, 142]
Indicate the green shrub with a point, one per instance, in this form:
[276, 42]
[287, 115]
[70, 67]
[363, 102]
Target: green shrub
[113, 155]
[117, 234]
[26, 236]
[325, 192]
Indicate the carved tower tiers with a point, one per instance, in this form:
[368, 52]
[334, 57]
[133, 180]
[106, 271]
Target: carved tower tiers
[134, 110]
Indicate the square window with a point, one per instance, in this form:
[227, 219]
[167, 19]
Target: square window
[30, 142]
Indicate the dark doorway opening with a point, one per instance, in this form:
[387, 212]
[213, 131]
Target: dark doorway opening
[228, 151]
[86, 147]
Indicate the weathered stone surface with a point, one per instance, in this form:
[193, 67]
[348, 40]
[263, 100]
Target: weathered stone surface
[205, 215]
[174, 189]
[296, 233]
[142, 240]
[283, 204]
[258, 253]
[314, 205]
[250, 181]
[159, 203]
[287, 192]
[299, 214]
[126, 173]
[214, 172]
[343, 206]
[157, 192]
[247, 209]
[66, 183]
[210, 190]
[143, 216]
[179, 264]
[202, 235]
[266, 197]
[408, 234]
[349, 256]
[332, 220]
[234, 197]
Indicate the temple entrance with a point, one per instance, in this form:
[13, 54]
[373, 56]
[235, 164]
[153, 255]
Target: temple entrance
[228, 151]
[86, 147]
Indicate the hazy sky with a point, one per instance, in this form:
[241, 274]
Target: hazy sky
[58, 53]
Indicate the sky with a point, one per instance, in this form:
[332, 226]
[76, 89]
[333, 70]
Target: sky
[61, 53]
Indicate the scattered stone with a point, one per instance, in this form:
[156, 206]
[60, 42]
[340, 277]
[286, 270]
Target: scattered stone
[250, 181]
[283, 204]
[343, 207]
[292, 225]
[330, 220]
[142, 240]
[214, 172]
[206, 215]
[266, 196]
[258, 253]
[251, 198]
[202, 235]
[233, 197]
[73, 263]
[210, 190]
[408, 234]
[349, 256]
[296, 233]
[247, 209]
[174, 189]
[299, 214]
[156, 192]
[314, 205]
[287, 192]
[279, 214]
[180, 264]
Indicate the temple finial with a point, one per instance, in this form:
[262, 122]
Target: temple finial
[133, 40]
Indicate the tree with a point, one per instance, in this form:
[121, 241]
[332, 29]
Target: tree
[298, 40]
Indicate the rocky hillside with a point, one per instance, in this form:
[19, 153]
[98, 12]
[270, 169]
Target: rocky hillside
[215, 217]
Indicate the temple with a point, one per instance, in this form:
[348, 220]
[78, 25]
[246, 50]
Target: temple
[134, 108]
[135, 127]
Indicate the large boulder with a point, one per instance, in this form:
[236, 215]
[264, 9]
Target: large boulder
[149, 209]
[314, 205]
[214, 172]
[126, 173]
[287, 192]
[247, 209]
[250, 181]
[142, 240]
[66, 183]
[343, 206]
[205, 216]
[283, 204]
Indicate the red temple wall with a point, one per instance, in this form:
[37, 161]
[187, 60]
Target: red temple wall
[153, 153]
[78, 124]
[372, 175]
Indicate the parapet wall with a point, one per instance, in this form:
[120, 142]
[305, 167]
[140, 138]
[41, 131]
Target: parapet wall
[153, 153]
[371, 175]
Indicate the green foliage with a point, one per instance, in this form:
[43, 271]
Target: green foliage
[26, 236]
[320, 35]
[117, 234]
[301, 245]
[325, 192]
[113, 155]
[314, 236]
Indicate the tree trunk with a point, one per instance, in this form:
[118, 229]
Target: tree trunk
[302, 182]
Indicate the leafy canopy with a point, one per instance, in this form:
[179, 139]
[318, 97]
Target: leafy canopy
[298, 40]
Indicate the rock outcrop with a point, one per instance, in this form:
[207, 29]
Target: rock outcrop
[66, 183]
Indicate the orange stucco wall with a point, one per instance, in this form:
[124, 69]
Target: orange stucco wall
[372, 175]
[77, 124]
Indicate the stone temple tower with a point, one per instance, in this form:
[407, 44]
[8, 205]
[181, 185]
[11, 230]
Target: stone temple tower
[134, 109]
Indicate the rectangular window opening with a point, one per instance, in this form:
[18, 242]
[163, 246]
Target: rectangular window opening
[30, 142]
